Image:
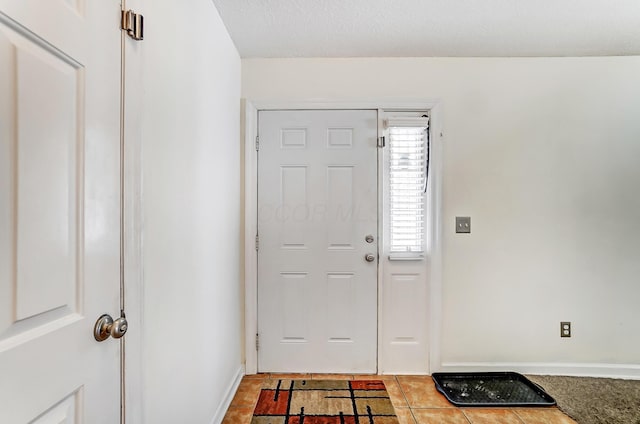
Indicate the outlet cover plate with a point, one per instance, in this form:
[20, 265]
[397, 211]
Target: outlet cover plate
[565, 329]
[463, 224]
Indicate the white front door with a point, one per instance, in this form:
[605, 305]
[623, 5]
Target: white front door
[317, 220]
[59, 210]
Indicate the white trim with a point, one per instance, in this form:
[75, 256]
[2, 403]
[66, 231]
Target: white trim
[624, 371]
[380, 243]
[228, 397]
[387, 105]
[406, 121]
[134, 282]
[435, 237]
[250, 110]
[249, 128]
[133, 228]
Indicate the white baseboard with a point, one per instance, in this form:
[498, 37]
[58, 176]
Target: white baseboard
[624, 371]
[228, 397]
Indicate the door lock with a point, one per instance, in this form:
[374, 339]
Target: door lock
[106, 327]
[369, 238]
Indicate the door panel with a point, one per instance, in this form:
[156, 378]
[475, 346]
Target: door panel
[59, 210]
[46, 179]
[317, 201]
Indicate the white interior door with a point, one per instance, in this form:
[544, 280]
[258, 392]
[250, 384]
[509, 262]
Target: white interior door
[317, 203]
[59, 210]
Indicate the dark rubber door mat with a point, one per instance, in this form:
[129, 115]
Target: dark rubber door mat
[491, 389]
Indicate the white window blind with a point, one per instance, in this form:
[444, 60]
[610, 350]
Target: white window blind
[408, 158]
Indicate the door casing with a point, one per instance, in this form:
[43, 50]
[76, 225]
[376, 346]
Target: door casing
[249, 128]
[131, 123]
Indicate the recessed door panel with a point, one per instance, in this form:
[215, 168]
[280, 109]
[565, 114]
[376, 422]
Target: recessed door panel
[47, 172]
[340, 138]
[341, 292]
[406, 301]
[340, 207]
[292, 208]
[293, 138]
[294, 287]
[64, 412]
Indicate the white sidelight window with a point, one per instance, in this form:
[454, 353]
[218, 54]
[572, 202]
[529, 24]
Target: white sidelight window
[408, 145]
[406, 246]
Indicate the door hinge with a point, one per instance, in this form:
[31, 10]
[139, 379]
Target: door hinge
[381, 142]
[257, 143]
[257, 242]
[133, 23]
[257, 341]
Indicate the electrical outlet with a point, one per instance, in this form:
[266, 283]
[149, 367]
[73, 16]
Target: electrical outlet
[565, 329]
[463, 224]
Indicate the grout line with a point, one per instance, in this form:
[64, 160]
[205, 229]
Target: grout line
[413, 416]
[395, 377]
[516, 412]
[520, 418]
[465, 415]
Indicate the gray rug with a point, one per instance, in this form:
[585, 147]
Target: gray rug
[594, 400]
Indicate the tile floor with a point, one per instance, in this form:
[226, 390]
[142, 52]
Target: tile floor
[415, 399]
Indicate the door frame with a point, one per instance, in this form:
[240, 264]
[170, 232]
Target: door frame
[249, 181]
[132, 352]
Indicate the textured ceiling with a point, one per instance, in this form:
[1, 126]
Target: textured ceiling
[381, 28]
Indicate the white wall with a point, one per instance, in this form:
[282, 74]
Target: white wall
[543, 154]
[191, 199]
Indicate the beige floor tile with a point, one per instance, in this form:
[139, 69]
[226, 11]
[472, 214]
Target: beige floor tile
[395, 394]
[238, 415]
[405, 416]
[247, 393]
[543, 416]
[439, 416]
[421, 392]
[491, 416]
[332, 376]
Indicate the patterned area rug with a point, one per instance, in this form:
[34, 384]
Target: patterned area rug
[324, 402]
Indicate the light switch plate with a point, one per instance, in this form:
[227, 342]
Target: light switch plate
[463, 224]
